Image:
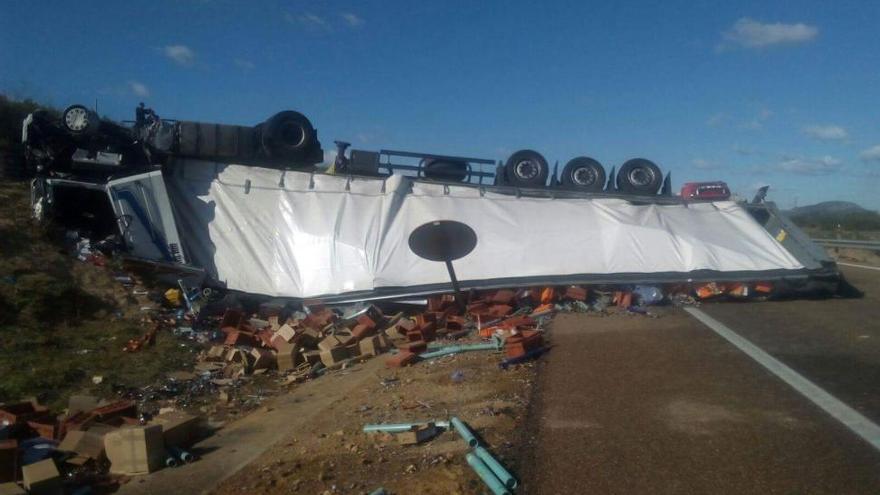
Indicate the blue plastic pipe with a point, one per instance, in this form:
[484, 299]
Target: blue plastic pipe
[497, 469]
[486, 475]
[181, 454]
[466, 434]
[400, 427]
[455, 349]
[390, 427]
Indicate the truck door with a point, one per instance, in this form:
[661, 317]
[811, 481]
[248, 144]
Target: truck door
[145, 219]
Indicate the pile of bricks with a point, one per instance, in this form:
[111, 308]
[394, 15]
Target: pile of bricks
[90, 435]
[506, 313]
[253, 345]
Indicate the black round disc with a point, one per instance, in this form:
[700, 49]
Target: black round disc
[443, 240]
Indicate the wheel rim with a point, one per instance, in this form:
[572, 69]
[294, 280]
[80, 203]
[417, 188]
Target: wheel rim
[584, 176]
[641, 176]
[76, 119]
[526, 169]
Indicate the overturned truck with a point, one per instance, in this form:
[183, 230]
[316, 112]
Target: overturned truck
[250, 208]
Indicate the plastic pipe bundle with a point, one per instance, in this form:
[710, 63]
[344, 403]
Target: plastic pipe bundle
[496, 477]
[486, 475]
[500, 472]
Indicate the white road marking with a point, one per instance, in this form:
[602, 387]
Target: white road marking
[860, 266]
[852, 419]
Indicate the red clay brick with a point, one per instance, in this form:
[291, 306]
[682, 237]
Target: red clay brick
[576, 293]
[365, 321]
[401, 359]
[414, 347]
[231, 320]
[115, 410]
[45, 427]
[362, 331]
[503, 296]
[499, 310]
[518, 321]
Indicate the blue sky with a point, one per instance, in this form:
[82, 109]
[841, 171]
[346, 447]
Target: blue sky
[779, 93]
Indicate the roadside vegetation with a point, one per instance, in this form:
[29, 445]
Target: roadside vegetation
[62, 321]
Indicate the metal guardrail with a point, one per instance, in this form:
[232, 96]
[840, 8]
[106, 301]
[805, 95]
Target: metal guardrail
[848, 243]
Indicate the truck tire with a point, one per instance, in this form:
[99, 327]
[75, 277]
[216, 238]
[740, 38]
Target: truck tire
[78, 120]
[445, 170]
[583, 173]
[527, 168]
[639, 176]
[287, 135]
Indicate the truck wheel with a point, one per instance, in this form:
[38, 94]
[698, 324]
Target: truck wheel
[287, 135]
[445, 170]
[527, 168]
[584, 173]
[639, 176]
[79, 120]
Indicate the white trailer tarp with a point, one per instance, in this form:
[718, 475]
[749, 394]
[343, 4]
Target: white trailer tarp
[296, 234]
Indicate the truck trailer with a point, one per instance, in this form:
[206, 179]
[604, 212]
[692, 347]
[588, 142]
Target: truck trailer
[252, 209]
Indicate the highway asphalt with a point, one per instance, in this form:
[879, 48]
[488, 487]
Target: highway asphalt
[629, 404]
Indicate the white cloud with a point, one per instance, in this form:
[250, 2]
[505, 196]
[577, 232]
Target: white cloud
[810, 166]
[245, 64]
[138, 88]
[750, 33]
[308, 20]
[826, 132]
[180, 54]
[871, 154]
[352, 19]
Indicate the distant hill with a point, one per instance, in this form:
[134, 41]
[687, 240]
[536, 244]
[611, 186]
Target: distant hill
[831, 214]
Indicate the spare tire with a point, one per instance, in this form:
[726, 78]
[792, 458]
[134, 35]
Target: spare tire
[584, 173]
[445, 170]
[527, 168]
[287, 135]
[639, 176]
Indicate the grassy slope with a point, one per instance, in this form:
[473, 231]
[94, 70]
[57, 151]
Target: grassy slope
[63, 321]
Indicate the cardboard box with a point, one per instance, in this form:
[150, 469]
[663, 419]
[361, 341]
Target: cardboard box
[372, 346]
[334, 355]
[84, 443]
[286, 332]
[287, 357]
[11, 489]
[330, 342]
[179, 429]
[42, 478]
[135, 449]
[82, 403]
